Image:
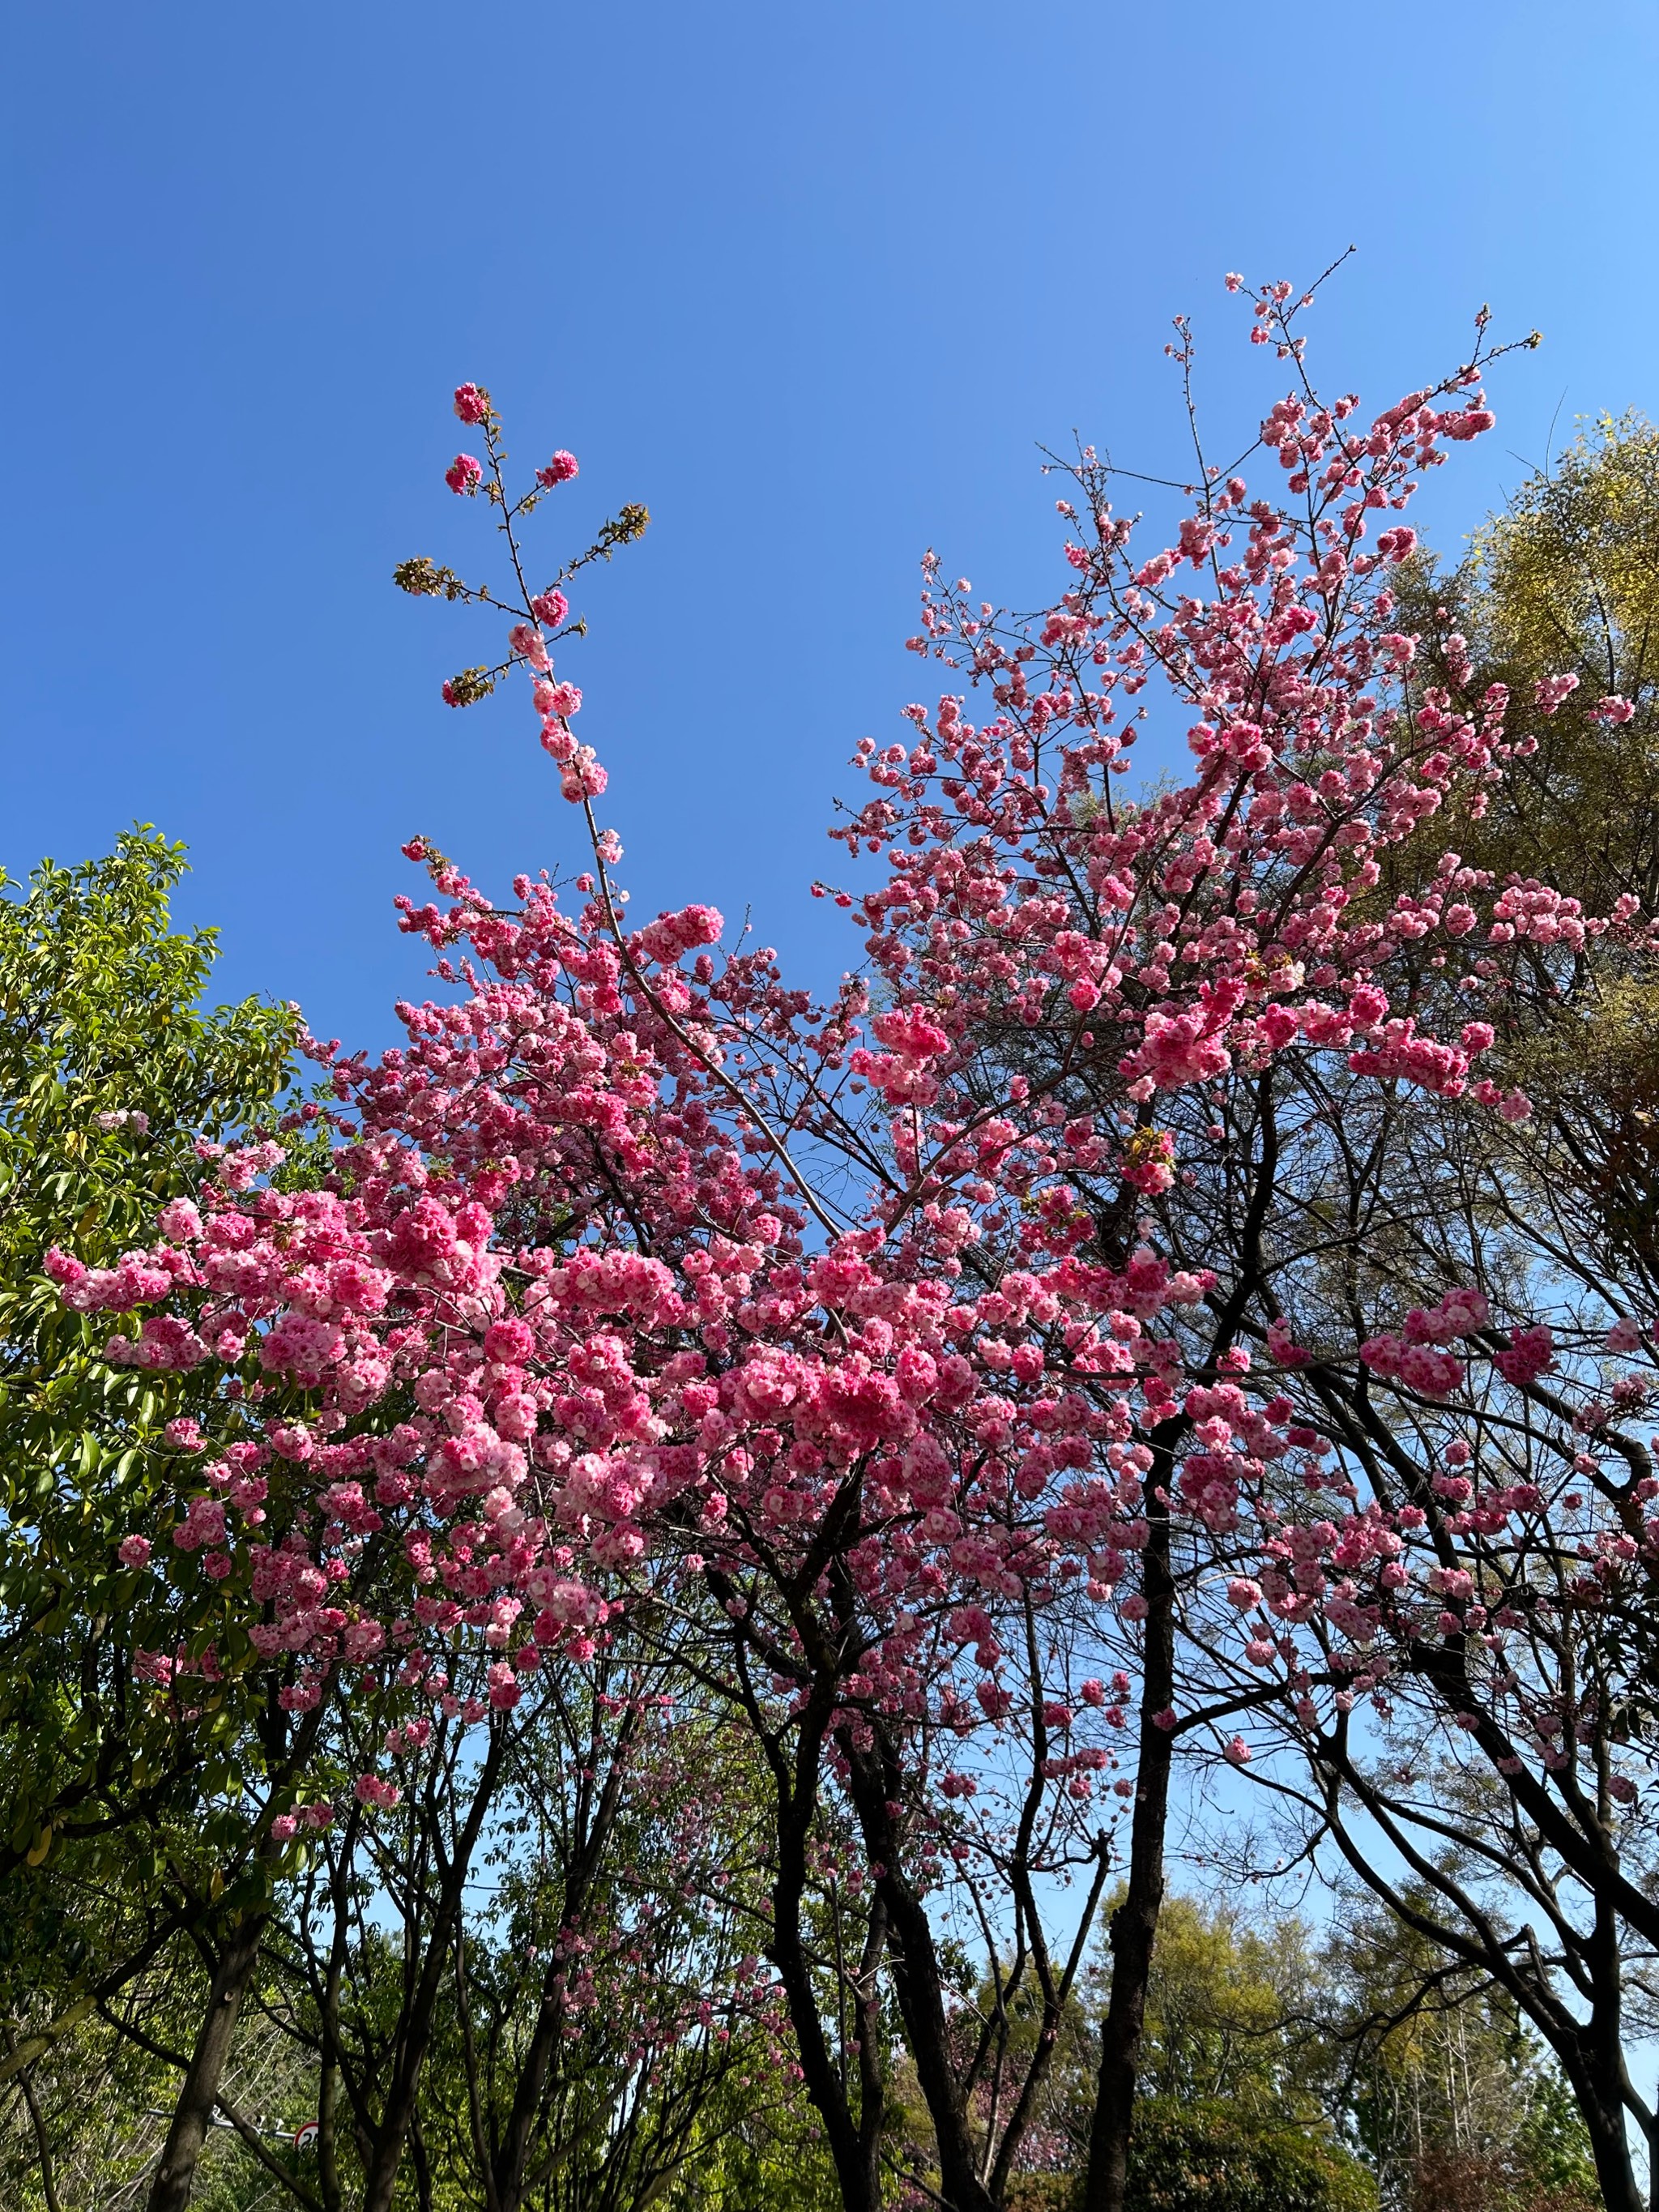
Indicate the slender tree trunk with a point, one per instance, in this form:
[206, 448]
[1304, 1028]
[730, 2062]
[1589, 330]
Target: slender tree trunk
[1133, 1931]
[38, 2123]
[192, 2114]
[858, 2172]
[917, 1982]
[1603, 2110]
[414, 2029]
[422, 2164]
[397, 2113]
[920, 1993]
[506, 2184]
[872, 2076]
[1038, 2072]
[1596, 2070]
[328, 2088]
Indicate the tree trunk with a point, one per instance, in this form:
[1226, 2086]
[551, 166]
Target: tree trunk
[38, 2123]
[415, 2028]
[921, 1995]
[872, 2073]
[858, 2172]
[1036, 2074]
[192, 2114]
[1595, 2066]
[917, 1983]
[508, 2181]
[328, 2086]
[1134, 1927]
[1603, 2110]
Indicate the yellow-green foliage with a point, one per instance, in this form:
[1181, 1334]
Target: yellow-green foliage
[1565, 580]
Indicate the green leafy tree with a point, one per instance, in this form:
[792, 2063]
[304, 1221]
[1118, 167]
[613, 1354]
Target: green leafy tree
[1563, 586]
[111, 1072]
[1223, 2010]
[1242, 2107]
[1216, 2158]
[84, 2124]
[1458, 2107]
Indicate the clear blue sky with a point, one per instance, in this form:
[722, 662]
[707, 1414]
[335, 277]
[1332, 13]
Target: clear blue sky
[811, 281]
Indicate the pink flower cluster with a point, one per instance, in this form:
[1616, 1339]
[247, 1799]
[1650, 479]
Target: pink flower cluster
[635, 1266]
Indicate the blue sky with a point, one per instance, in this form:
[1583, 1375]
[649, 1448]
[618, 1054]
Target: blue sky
[811, 281]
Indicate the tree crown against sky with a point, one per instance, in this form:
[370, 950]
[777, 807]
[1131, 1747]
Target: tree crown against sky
[931, 1373]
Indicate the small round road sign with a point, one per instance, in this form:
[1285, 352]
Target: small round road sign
[305, 2138]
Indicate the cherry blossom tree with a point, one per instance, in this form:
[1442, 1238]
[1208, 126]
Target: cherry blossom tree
[1288, 1168]
[1411, 1452]
[870, 1355]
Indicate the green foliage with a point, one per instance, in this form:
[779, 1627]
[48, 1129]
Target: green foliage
[1242, 2100]
[1217, 2010]
[1565, 581]
[112, 1820]
[630, 1844]
[1454, 2101]
[110, 1071]
[757, 2152]
[1214, 2158]
[99, 2104]
[1552, 2145]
